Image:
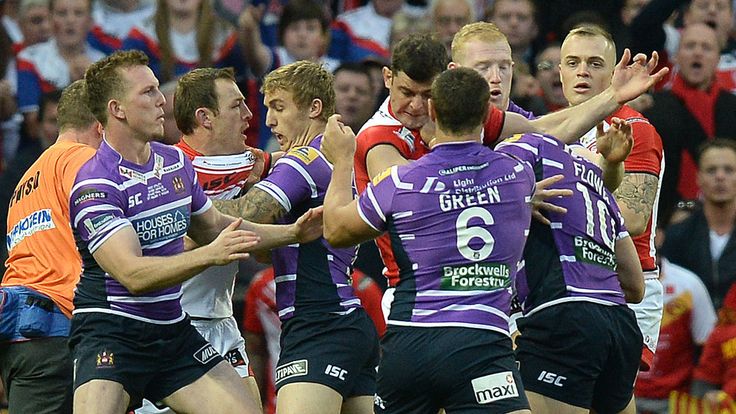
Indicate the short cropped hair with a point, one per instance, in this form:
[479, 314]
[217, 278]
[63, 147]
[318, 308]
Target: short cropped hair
[591, 30]
[105, 80]
[420, 56]
[73, 113]
[481, 31]
[460, 98]
[717, 143]
[306, 81]
[195, 90]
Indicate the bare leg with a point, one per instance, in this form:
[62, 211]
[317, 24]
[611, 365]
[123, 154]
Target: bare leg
[308, 398]
[101, 397]
[543, 405]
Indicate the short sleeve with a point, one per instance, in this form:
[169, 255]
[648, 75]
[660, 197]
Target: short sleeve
[374, 204]
[97, 211]
[291, 180]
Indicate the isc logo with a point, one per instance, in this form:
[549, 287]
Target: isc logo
[551, 378]
[336, 372]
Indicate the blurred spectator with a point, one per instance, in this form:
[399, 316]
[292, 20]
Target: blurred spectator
[688, 318]
[27, 154]
[172, 135]
[403, 24]
[694, 111]
[354, 98]
[703, 242]
[517, 20]
[303, 35]
[448, 16]
[368, 27]
[649, 31]
[548, 76]
[183, 35]
[716, 371]
[262, 327]
[56, 63]
[375, 68]
[34, 20]
[629, 11]
[10, 19]
[117, 17]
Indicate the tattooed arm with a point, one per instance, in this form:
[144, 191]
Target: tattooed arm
[635, 197]
[256, 206]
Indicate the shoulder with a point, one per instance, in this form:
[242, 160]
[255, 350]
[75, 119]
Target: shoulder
[304, 156]
[168, 151]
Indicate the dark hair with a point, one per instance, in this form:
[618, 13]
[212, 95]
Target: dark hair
[105, 81]
[296, 10]
[73, 112]
[460, 100]
[719, 143]
[195, 90]
[420, 56]
[48, 98]
[356, 67]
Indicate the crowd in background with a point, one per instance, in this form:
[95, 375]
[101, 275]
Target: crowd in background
[47, 44]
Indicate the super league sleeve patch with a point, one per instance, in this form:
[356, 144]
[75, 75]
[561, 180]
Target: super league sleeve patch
[304, 154]
[377, 179]
[89, 195]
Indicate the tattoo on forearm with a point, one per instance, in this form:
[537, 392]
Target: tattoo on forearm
[637, 193]
[256, 206]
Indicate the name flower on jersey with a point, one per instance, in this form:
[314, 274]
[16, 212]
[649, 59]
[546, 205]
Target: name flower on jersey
[591, 252]
[37, 221]
[476, 276]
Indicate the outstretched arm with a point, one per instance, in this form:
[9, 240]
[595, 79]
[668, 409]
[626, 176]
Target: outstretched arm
[343, 225]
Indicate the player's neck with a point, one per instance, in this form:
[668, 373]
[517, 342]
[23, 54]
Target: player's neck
[204, 143]
[315, 128]
[442, 137]
[130, 145]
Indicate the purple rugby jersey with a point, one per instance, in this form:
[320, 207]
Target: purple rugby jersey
[311, 278]
[458, 219]
[157, 200]
[574, 258]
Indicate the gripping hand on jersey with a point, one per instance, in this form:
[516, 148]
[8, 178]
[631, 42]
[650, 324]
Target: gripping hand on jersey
[309, 225]
[542, 193]
[616, 143]
[338, 142]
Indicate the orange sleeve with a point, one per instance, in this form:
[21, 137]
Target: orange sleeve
[647, 154]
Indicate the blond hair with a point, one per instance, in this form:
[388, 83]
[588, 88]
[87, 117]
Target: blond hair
[482, 31]
[305, 81]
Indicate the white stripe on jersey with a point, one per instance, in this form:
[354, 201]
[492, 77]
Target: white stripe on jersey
[276, 193]
[128, 315]
[554, 164]
[602, 291]
[95, 244]
[397, 181]
[460, 308]
[144, 299]
[449, 325]
[186, 201]
[285, 278]
[372, 198]
[307, 177]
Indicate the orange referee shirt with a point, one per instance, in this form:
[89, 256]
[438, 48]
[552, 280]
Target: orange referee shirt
[42, 253]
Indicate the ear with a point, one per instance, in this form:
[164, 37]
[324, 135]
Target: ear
[115, 109]
[315, 108]
[432, 112]
[452, 65]
[388, 77]
[203, 117]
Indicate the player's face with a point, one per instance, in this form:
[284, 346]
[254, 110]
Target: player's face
[230, 123]
[143, 104]
[48, 123]
[408, 98]
[353, 97]
[286, 120]
[71, 20]
[586, 67]
[698, 55]
[492, 60]
[717, 175]
[304, 39]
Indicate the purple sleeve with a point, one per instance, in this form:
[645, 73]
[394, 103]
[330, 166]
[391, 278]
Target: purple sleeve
[290, 182]
[374, 204]
[523, 147]
[97, 210]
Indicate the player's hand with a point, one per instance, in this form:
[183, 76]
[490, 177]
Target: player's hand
[258, 167]
[232, 244]
[616, 143]
[338, 142]
[308, 227]
[632, 80]
[542, 193]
